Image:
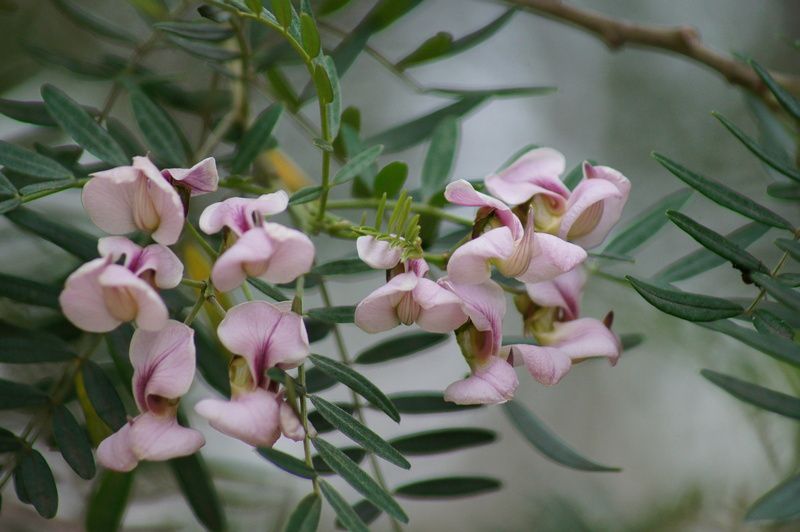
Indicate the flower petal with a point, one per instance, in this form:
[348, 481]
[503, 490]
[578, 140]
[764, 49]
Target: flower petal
[461, 192]
[563, 292]
[378, 254]
[166, 202]
[547, 365]
[485, 303]
[491, 384]
[121, 288]
[469, 264]
[441, 309]
[377, 312]
[159, 259]
[115, 451]
[157, 438]
[595, 205]
[291, 427]
[584, 338]
[201, 178]
[551, 257]
[109, 198]
[163, 364]
[535, 172]
[82, 299]
[292, 256]
[251, 253]
[238, 214]
[252, 417]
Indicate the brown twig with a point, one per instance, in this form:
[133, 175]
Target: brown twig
[681, 40]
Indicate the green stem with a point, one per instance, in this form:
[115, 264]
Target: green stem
[210, 251]
[198, 305]
[193, 283]
[420, 208]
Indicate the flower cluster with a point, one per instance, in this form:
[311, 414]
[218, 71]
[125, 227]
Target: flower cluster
[531, 228]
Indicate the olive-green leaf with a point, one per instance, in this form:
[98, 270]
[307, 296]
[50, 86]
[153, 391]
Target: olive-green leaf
[769, 323]
[198, 31]
[212, 361]
[310, 35]
[321, 424]
[27, 112]
[21, 346]
[646, 225]
[305, 194]
[79, 125]
[792, 247]
[440, 157]
[365, 510]
[357, 432]
[305, 517]
[197, 487]
[357, 164]
[390, 179]
[425, 403]
[341, 314]
[267, 289]
[343, 510]
[356, 382]
[159, 131]
[203, 50]
[775, 346]
[256, 139]
[108, 501]
[334, 106]
[686, 305]
[781, 503]
[39, 484]
[442, 440]
[400, 346]
[287, 462]
[723, 195]
[317, 380]
[30, 292]
[356, 454]
[783, 96]
[72, 240]
[784, 191]
[28, 162]
[550, 445]
[95, 24]
[73, 442]
[778, 402]
[103, 396]
[342, 267]
[18, 395]
[448, 487]
[358, 479]
[786, 295]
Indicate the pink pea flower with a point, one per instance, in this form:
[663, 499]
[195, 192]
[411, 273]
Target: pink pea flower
[164, 365]
[242, 214]
[263, 336]
[537, 172]
[129, 198]
[564, 292]
[201, 178]
[493, 379]
[378, 254]
[409, 298]
[517, 251]
[104, 293]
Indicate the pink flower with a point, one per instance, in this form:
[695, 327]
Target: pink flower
[129, 198]
[164, 364]
[410, 298]
[378, 254]
[517, 250]
[564, 292]
[201, 178]
[263, 336]
[534, 173]
[493, 380]
[101, 294]
[242, 214]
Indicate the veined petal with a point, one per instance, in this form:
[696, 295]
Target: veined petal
[292, 255]
[127, 297]
[461, 192]
[584, 338]
[470, 263]
[167, 268]
[441, 311]
[82, 299]
[249, 255]
[165, 201]
[378, 311]
[378, 254]
[156, 438]
[563, 292]
[535, 172]
[547, 365]
[201, 178]
[595, 205]
[242, 214]
[109, 198]
[491, 384]
[551, 257]
[115, 452]
[484, 303]
[252, 417]
[163, 365]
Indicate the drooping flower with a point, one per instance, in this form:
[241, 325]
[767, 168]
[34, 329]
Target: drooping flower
[516, 250]
[164, 365]
[121, 286]
[138, 197]
[409, 297]
[378, 254]
[262, 336]
[201, 178]
[266, 250]
[563, 293]
[493, 379]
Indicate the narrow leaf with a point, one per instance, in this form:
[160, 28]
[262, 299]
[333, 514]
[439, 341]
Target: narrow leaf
[792, 247]
[390, 179]
[778, 290]
[400, 346]
[425, 403]
[775, 346]
[769, 323]
[629, 341]
[305, 517]
[440, 157]
[74, 241]
[685, 305]
[18, 395]
[321, 424]
[310, 35]
[356, 454]
[343, 510]
[256, 139]
[103, 396]
[267, 289]
[357, 164]
[108, 501]
[784, 191]
[196, 31]
[343, 314]
[306, 194]
[95, 24]
[203, 50]
[786, 100]
[197, 487]
[27, 112]
[781, 503]
[39, 484]
[342, 267]
[73, 442]
[159, 131]
[764, 398]
[27, 162]
[448, 487]
[30, 292]
[21, 346]
[365, 510]
[317, 380]
[287, 462]
[442, 440]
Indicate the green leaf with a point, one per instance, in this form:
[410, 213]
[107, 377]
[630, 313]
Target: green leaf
[546, 441]
[344, 511]
[18, 395]
[647, 224]
[203, 50]
[769, 323]
[778, 290]
[73, 442]
[727, 197]
[79, 125]
[195, 483]
[127, 141]
[103, 396]
[27, 162]
[440, 157]
[7, 188]
[357, 164]
[256, 139]
[685, 305]
[717, 243]
[30, 292]
[419, 129]
[27, 112]
[55, 185]
[786, 100]
[448, 487]
[39, 484]
[629, 341]
[784, 191]
[365, 510]
[357, 432]
[321, 424]
[442, 440]
[763, 398]
[775, 346]
[305, 517]
[440, 47]
[356, 454]
[267, 289]
[96, 25]
[212, 361]
[792, 247]
[703, 260]
[108, 501]
[789, 279]
[159, 131]
[317, 329]
[342, 267]
[317, 380]
[282, 9]
[74, 241]
[497, 92]
[199, 31]
[399, 346]
[781, 503]
[310, 35]
[757, 150]
[306, 194]
[356, 382]
[342, 314]
[425, 403]
[9, 442]
[287, 462]
[334, 105]
[9, 205]
[358, 479]
[390, 179]
[20, 346]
